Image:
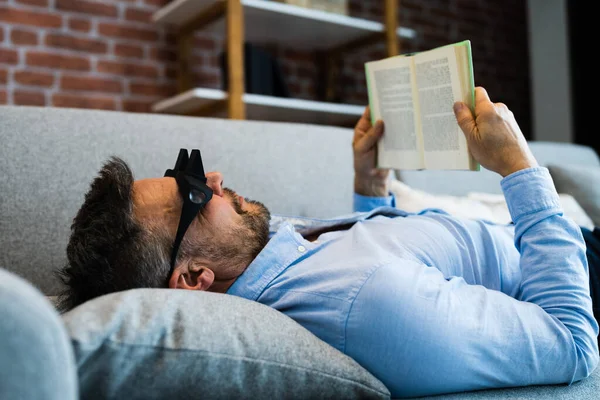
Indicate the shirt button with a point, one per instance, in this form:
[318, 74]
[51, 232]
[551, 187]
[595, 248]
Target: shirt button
[301, 249]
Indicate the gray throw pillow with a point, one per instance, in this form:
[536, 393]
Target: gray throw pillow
[178, 344]
[581, 182]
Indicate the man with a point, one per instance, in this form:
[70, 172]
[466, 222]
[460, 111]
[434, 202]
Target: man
[427, 302]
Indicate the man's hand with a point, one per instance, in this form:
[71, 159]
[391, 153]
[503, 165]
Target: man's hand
[368, 180]
[493, 136]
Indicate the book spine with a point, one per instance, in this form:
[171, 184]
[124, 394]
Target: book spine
[370, 93]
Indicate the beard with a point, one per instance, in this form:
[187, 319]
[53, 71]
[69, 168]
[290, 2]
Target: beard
[237, 246]
[255, 221]
[231, 250]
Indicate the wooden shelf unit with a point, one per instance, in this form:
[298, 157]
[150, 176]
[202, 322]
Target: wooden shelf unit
[267, 22]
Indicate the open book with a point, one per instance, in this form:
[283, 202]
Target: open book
[414, 94]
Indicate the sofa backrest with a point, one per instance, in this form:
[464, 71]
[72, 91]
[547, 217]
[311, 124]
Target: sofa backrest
[49, 156]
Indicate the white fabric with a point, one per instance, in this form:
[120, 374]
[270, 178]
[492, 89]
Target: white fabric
[476, 205]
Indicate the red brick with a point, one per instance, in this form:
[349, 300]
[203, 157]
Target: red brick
[22, 37]
[27, 17]
[170, 39]
[170, 72]
[127, 32]
[163, 55]
[81, 25]
[76, 43]
[90, 84]
[127, 69]
[212, 61]
[34, 78]
[3, 76]
[38, 3]
[205, 79]
[3, 97]
[129, 51]
[135, 14]
[88, 7]
[1, 33]
[60, 61]
[29, 98]
[137, 106]
[8, 56]
[205, 43]
[77, 101]
[152, 89]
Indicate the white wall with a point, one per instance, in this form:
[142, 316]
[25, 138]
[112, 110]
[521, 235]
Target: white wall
[549, 71]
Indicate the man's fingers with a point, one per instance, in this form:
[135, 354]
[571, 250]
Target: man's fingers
[367, 113]
[364, 123]
[370, 139]
[464, 117]
[481, 95]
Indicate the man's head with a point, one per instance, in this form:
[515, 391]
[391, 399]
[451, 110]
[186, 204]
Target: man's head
[123, 235]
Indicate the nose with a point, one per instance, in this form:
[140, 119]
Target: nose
[214, 180]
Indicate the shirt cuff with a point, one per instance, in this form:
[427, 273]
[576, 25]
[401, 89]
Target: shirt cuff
[529, 191]
[367, 203]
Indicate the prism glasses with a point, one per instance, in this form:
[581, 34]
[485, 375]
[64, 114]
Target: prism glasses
[191, 181]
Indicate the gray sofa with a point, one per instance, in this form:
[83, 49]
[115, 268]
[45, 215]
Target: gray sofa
[48, 158]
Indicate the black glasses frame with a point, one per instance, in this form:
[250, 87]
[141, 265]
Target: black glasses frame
[191, 181]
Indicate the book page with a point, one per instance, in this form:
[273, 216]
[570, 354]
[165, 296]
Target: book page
[392, 99]
[439, 86]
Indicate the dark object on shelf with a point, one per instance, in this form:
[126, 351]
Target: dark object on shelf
[262, 73]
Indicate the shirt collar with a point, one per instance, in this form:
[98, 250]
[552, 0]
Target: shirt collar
[284, 247]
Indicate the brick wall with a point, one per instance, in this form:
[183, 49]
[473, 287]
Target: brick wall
[108, 54]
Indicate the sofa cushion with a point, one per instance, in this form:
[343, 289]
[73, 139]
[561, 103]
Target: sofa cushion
[583, 183]
[176, 344]
[474, 205]
[586, 389]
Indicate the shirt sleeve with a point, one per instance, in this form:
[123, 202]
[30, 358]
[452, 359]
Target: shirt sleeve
[366, 203]
[428, 334]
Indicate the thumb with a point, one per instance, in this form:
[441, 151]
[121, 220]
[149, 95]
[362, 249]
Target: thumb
[465, 119]
[371, 138]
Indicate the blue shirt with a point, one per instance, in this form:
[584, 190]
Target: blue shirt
[430, 303]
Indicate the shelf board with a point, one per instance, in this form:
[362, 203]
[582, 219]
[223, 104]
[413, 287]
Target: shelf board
[272, 22]
[264, 108]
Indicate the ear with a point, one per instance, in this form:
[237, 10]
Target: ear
[191, 276]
